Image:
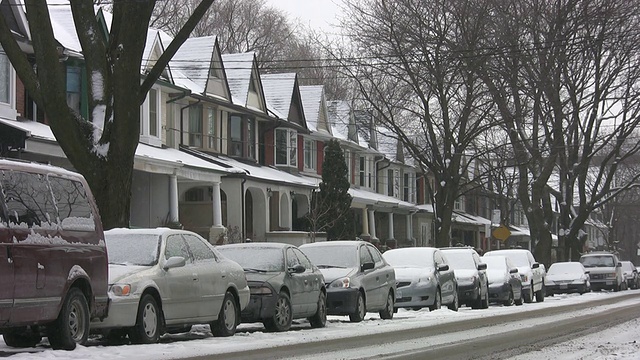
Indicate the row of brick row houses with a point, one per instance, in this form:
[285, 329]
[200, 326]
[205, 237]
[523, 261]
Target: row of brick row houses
[232, 153]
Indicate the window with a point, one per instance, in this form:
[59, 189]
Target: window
[5, 79]
[212, 135]
[390, 191]
[286, 147]
[405, 192]
[177, 247]
[153, 112]
[242, 136]
[74, 210]
[199, 249]
[458, 203]
[195, 126]
[73, 87]
[396, 183]
[362, 170]
[28, 198]
[347, 159]
[310, 155]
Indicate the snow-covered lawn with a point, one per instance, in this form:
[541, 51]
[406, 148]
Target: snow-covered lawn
[620, 342]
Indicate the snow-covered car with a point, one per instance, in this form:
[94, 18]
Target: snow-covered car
[423, 278]
[358, 279]
[630, 274]
[605, 270]
[471, 275]
[163, 280]
[284, 284]
[531, 272]
[505, 285]
[566, 277]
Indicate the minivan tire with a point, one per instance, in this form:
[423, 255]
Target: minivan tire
[72, 325]
[148, 322]
[20, 339]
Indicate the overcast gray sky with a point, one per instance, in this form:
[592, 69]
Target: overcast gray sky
[319, 14]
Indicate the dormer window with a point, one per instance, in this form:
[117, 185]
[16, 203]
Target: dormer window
[286, 147]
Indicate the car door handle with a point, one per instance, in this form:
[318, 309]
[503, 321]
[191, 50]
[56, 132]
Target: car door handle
[306, 281]
[377, 278]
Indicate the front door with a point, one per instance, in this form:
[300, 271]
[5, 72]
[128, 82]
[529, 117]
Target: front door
[370, 279]
[296, 283]
[182, 296]
[213, 284]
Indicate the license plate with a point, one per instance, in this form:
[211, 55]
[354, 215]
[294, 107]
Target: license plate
[609, 282]
[398, 294]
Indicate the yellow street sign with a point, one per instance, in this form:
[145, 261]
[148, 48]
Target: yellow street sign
[501, 233]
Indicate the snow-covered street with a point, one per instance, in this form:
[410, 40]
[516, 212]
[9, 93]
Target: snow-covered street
[620, 342]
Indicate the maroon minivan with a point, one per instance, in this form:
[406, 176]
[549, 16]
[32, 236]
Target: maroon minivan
[53, 259]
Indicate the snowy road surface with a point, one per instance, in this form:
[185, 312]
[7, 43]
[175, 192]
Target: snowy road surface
[619, 342]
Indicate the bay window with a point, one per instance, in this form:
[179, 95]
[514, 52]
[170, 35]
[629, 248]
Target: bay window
[195, 126]
[310, 155]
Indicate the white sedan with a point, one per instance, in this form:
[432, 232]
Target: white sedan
[164, 280]
[566, 277]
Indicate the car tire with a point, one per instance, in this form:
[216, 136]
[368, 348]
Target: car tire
[319, 319]
[282, 315]
[227, 319]
[455, 304]
[387, 312]
[520, 300]
[510, 300]
[477, 303]
[540, 294]
[360, 310]
[148, 322]
[528, 296]
[437, 301]
[21, 339]
[72, 325]
[485, 300]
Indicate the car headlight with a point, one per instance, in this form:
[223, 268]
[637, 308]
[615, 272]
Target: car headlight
[524, 278]
[467, 279]
[260, 290]
[120, 289]
[344, 282]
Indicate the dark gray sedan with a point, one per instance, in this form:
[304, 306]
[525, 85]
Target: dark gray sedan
[505, 284]
[284, 284]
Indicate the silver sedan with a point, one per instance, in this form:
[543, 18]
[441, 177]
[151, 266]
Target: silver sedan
[163, 280]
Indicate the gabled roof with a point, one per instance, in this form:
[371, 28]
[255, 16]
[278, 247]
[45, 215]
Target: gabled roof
[339, 113]
[153, 49]
[199, 61]
[16, 19]
[64, 29]
[315, 108]
[282, 94]
[241, 69]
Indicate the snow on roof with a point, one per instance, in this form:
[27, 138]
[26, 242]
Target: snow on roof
[278, 91]
[63, 25]
[31, 128]
[193, 61]
[465, 218]
[371, 198]
[311, 102]
[387, 143]
[238, 68]
[339, 117]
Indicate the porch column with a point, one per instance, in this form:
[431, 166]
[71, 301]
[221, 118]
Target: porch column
[217, 205]
[173, 199]
[372, 224]
[409, 227]
[391, 232]
[365, 225]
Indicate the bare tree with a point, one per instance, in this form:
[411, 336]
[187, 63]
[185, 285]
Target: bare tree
[408, 61]
[101, 147]
[562, 74]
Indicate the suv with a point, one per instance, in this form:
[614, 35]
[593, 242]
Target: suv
[53, 259]
[531, 272]
[471, 274]
[605, 270]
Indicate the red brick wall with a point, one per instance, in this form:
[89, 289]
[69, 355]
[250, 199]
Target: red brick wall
[268, 148]
[320, 156]
[20, 100]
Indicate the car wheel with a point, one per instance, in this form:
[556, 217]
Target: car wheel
[485, 301]
[282, 316]
[540, 294]
[528, 296]
[387, 312]
[509, 300]
[21, 339]
[319, 319]
[360, 310]
[72, 325]
[227, 319]
[437, 301]
[147, 327]
[455, 304]
[520, 300]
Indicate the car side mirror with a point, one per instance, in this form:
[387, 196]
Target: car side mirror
[513, 271]
[535, 265]
[482, 266]
[297, 269]
[367, 266]
[174, 262]
[444, 267]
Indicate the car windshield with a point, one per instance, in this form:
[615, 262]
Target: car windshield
[409, 258]
[331, 256]
[564, 268]
[133, 249]
[460, 260]
[597, 261]
[255, 258]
